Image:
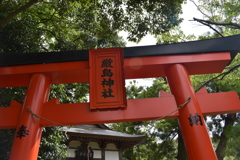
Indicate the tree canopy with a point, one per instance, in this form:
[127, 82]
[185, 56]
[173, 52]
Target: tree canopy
[64, 23]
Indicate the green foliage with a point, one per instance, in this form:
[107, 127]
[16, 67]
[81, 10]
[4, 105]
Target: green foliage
[234, 142]
[52, 143]
[56, 26]
[160, 136]
[175, 35]
[70, 93]
[13, 37]
[133, 90]
[223, 16]
[6, 136]
[153, 91]
[95, 21]
[11, 93]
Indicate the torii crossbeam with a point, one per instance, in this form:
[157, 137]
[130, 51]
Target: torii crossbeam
[38, 71]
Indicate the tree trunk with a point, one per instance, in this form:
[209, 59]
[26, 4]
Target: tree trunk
[7, 19]
[182, 154]
[229, 121]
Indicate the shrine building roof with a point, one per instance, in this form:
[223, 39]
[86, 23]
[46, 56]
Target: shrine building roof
[101, 131]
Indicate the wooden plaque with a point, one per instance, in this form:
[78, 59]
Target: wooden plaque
[107, 81]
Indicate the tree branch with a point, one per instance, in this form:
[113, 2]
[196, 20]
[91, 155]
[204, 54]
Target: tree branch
[44, 48]
[7, 19]
[51, 32]
[44, 20]
[198, 8]
[231, 24]
[207, 24]
[219, 77]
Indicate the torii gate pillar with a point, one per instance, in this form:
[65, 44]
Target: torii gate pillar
[192, 124]
[26, 142]
[175, 61]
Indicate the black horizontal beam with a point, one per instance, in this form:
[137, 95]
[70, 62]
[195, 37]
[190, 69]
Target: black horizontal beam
[226, 44]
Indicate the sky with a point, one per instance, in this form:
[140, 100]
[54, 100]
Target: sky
[188, 27]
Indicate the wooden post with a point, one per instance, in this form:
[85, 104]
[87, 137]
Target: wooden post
[195, 135]
[103, 145]
[28, 132]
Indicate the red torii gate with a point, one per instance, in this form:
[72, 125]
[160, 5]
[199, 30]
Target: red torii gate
[176, 61]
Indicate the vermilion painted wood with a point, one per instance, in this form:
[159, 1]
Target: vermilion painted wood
[67, 72]
[137, 110]
[227, 102]
[145, 67]
[142, 67]
[218, 103]
[196, 138]
[26, 148]
[9, 116]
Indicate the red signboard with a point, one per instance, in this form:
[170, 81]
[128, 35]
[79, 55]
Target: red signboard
[107, 81]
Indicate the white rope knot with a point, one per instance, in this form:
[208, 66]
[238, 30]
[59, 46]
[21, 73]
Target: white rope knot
[185, 103]
[37, 117]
